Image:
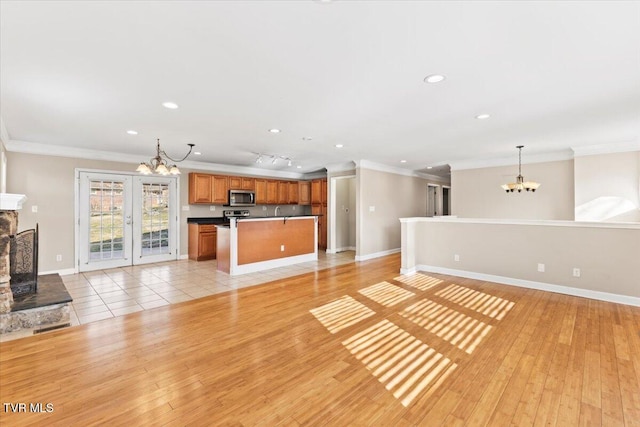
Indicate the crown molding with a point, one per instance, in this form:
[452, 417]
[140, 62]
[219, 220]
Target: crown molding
[618, 147]
[367, 164]
[554, 156]
[341, 167]
[84, 153]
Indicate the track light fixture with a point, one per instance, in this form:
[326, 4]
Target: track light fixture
[274, 158]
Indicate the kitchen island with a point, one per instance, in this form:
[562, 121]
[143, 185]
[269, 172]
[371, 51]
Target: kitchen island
[248, 245]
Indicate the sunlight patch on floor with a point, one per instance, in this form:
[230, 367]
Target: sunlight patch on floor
[452, 326]
[406, 366]
[485, 304]
[386, 294]
[419, 281]
[341, 313]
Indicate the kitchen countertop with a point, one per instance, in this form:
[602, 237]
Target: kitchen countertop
[207, 220]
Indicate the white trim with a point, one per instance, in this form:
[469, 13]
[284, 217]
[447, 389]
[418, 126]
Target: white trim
[367, 164]
[549, 223]
[376, 254]
[548, 287]
[619, 147]
[341, 167]
[275, 263]
[11, 202]
[62, 272]
[4, 135]
[85, 153]
[185, 256]
[555, 156]
[434, 178]
[314, 175]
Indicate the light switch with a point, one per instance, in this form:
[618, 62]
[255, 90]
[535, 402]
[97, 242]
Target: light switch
[185, 208]
[372, 208]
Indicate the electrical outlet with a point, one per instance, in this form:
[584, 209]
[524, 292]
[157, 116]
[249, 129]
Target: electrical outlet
[58, 257]
[34, 209]
[185, 208]
[372, 208]
[264, 208]
[456, 258]
[212, 208]
[294, 208]
[281, 248]
[541, 267]
[576, 272]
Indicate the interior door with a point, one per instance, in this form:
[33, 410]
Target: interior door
[104, 221]
[432, 200]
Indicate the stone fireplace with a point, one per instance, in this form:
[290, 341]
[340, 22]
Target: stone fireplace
[27, 301]
[9, 206]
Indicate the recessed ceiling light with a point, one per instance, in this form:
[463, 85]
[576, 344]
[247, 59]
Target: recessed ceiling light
[434, 78]
[403, 161]
[170, 105]
[197, 153]
[429, 167]
[483, 116]
[132, 132]
[274, 130]
[339, 145]
[306, 138]
[299, 167]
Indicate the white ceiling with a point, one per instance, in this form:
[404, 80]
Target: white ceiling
[553, 75]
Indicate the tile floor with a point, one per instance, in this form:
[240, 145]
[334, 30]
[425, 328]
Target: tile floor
[115, 292]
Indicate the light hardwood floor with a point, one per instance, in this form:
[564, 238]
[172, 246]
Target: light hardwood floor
[356, 344]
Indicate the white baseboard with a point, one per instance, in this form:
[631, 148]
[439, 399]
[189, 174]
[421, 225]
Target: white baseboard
[377, 254]
[549, 287]
[185, 256]
[62, 272]
[346, 248]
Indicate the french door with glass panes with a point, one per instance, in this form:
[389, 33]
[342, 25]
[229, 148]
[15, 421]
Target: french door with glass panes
[125, 220]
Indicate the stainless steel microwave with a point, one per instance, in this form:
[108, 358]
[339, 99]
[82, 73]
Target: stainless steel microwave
[242, 198]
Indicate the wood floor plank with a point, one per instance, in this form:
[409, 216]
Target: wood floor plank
[258, 356]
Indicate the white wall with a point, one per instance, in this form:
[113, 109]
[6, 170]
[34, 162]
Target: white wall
[392, 196]
[510, 251]
[476, 193]
[607, 187]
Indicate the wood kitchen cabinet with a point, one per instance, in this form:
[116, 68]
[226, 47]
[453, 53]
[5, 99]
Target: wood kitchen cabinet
[261, 191]
[202, 241]
[293, 193]
[272, 192]
[242, 183]
[208, 189]
[200, 188]
[220, 185]
[319, 207]
[304, 193]
[283, 192]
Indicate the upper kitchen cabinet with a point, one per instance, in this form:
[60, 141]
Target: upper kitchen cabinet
[272, 192]
[283, 192]
[242, 183]
[200, 188]
[261, 191]
[220, 190]
[319, 191]
[304, 193]
[294, 194]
